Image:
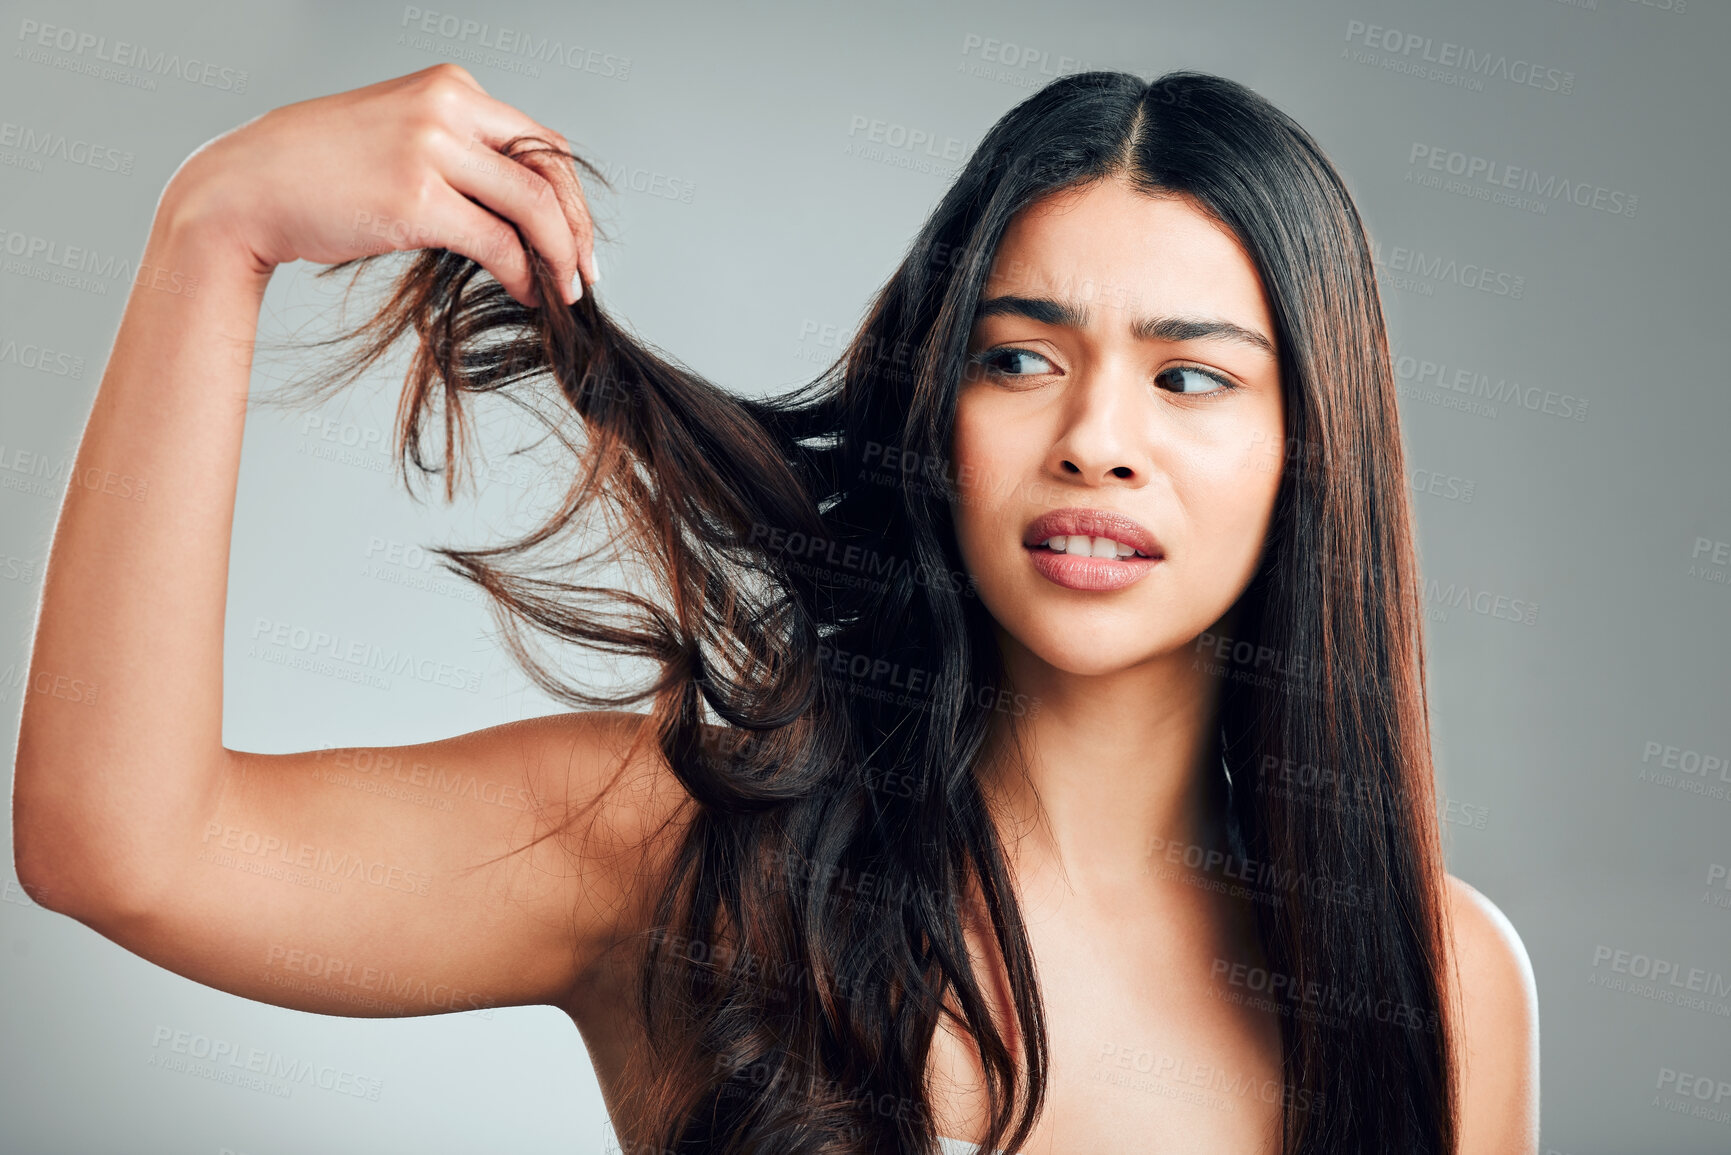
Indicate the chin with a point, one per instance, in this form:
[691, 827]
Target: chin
[1085, 652]
[1092, 666]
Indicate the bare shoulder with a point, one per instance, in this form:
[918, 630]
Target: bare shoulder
[1496, 1027]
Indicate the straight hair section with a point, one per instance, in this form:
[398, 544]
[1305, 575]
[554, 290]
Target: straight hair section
[807, 647]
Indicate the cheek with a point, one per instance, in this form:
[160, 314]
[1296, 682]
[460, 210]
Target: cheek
[1231, 501]
[982, 477]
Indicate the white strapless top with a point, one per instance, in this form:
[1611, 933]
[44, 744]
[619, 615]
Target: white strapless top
[610, 1143]
[957, 1147]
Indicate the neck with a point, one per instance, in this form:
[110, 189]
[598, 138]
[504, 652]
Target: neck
[1110, 767]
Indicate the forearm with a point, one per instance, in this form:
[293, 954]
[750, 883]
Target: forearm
[121, 733]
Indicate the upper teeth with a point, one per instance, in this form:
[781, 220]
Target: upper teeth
[1090, 546]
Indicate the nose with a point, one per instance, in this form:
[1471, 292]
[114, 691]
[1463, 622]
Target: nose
[1097, 443]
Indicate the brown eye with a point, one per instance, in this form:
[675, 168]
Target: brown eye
[1174, 380]
[1010, 362]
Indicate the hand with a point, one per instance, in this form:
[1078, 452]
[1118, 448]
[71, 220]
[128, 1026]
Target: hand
[409, 163]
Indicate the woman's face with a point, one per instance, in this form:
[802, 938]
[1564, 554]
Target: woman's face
[1121, 366]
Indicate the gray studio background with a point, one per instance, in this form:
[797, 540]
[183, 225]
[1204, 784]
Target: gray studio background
[1563, 394]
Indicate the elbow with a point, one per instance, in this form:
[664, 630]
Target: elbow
[37, 884]
[101, 847]
[57, 864]
[31, 890]
[38, 856]
[35, 842]
[53, 878]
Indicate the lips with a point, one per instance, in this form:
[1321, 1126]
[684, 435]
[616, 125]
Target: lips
[1078, 521]
[1084, 571]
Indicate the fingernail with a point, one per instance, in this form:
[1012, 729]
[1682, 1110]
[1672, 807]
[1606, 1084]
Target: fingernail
[576, 287]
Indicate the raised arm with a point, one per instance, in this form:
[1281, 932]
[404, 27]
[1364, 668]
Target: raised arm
[129, 813]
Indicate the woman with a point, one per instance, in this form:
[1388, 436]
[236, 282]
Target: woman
[1039, 756]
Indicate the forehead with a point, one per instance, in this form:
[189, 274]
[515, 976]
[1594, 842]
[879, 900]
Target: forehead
[1105, 244]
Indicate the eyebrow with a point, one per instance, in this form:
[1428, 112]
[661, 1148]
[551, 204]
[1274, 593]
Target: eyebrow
[1071, 315]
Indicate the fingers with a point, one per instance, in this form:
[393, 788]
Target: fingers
[496, 123]
[563, 173]
[539, 192]
[520, 195]
[488, 240]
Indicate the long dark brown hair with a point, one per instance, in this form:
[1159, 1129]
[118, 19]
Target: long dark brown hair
[797, 598]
